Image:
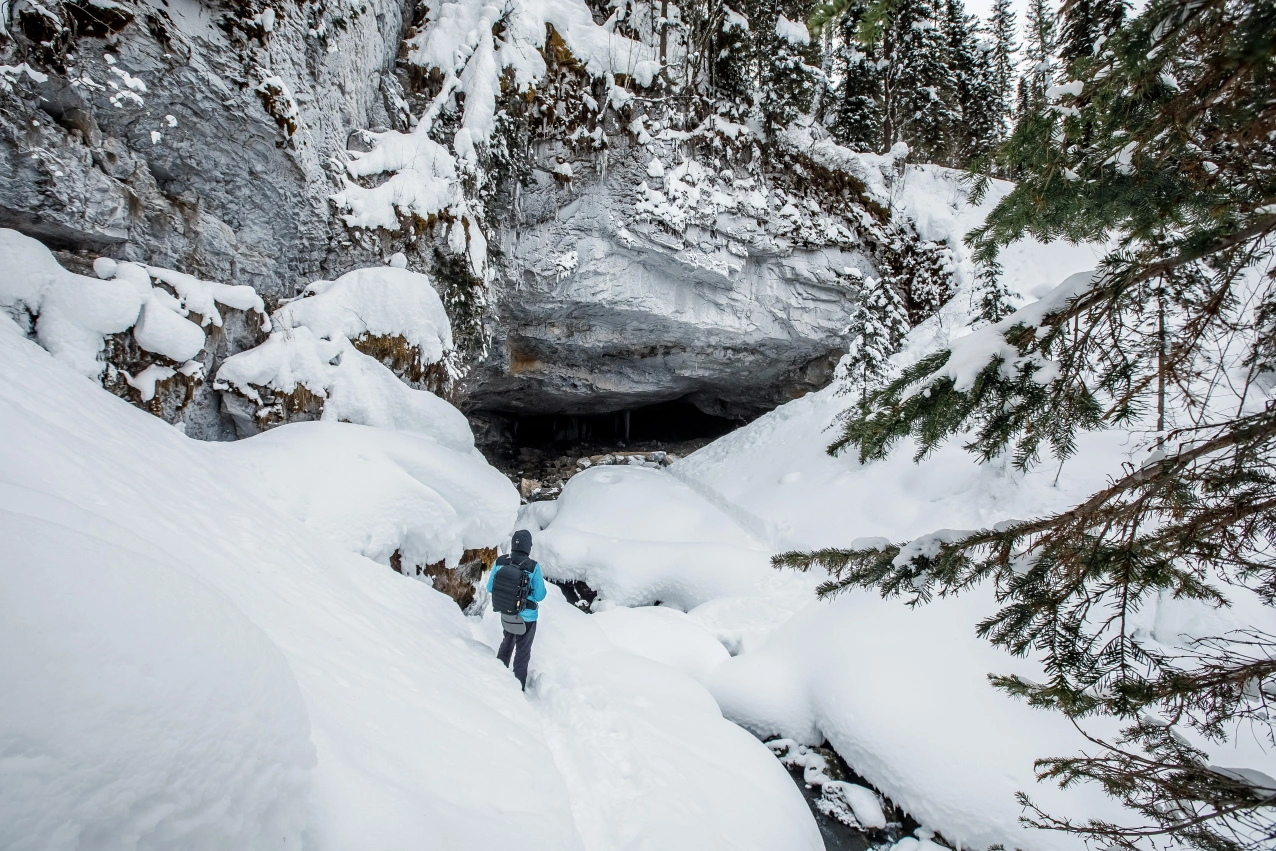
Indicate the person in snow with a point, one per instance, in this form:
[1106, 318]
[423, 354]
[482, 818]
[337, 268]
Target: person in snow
[517, 586]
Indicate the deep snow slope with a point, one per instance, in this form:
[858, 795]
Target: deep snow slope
[206, 649]
[649, 760]
[264, 685]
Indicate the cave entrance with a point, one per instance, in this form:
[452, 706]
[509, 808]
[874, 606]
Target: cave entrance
[540, 452]
[655, 425]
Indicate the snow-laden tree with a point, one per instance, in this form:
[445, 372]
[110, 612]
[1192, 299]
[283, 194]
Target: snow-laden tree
[925, 73]
[1001, 29]
[877, 328]
[787, 76]
[1040, 43]
[1086, 25]
[993, 296]
[978, 123]
[856, 108]
[1165, 141]
[918, 85]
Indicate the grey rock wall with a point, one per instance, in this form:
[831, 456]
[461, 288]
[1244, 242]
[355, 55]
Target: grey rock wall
[727, 316]
[219, 157]
[190, 166]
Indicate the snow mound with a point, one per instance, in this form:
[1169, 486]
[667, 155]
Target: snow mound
[162, 327]
[664, 635]
[378, 491]
[202, 297]
[74, 313]
[354, 387]
[380, 302]
[142, 709]
[639, 536]
[742, 624]
[412, 722]
[311, 348]
[902, 696]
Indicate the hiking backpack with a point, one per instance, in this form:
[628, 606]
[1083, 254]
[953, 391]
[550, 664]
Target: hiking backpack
[510, 588]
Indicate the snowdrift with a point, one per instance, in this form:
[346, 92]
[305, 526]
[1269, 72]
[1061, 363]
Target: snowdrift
[177, 612]
[638, 536]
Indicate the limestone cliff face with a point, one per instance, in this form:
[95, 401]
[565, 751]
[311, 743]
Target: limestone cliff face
[191, 135]
[600, 311]
[209, 136]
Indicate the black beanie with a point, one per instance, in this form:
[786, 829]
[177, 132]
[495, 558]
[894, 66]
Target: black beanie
[522, 542]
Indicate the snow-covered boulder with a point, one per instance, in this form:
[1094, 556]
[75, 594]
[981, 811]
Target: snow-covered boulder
[72, 313]
[376, 491]
[295, 375]
[375, 302]
[639, 536]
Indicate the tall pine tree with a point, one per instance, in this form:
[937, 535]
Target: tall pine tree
[1001, 28]
[733, 50]
[788, 79]
[918, 87]
[857, 110]
[976, 126]
[1086, 25]
[1040, 44]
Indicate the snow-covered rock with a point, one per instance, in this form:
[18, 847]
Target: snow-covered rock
[722, 309]
[638, 536]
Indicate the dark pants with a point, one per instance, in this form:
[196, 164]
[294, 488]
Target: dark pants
[521, 647]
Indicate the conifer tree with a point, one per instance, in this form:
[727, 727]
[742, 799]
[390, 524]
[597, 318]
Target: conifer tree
[857, 113]
[1040, 44]
[1086, 24]
[918, 89]
[788, 81]
[1170, 150]
[733, 50]
[1001, 27]
[993, 296]
[976, 127]
[877, 328]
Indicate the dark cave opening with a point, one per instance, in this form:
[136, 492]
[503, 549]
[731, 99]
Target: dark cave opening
[662, 423]
[540, 452]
